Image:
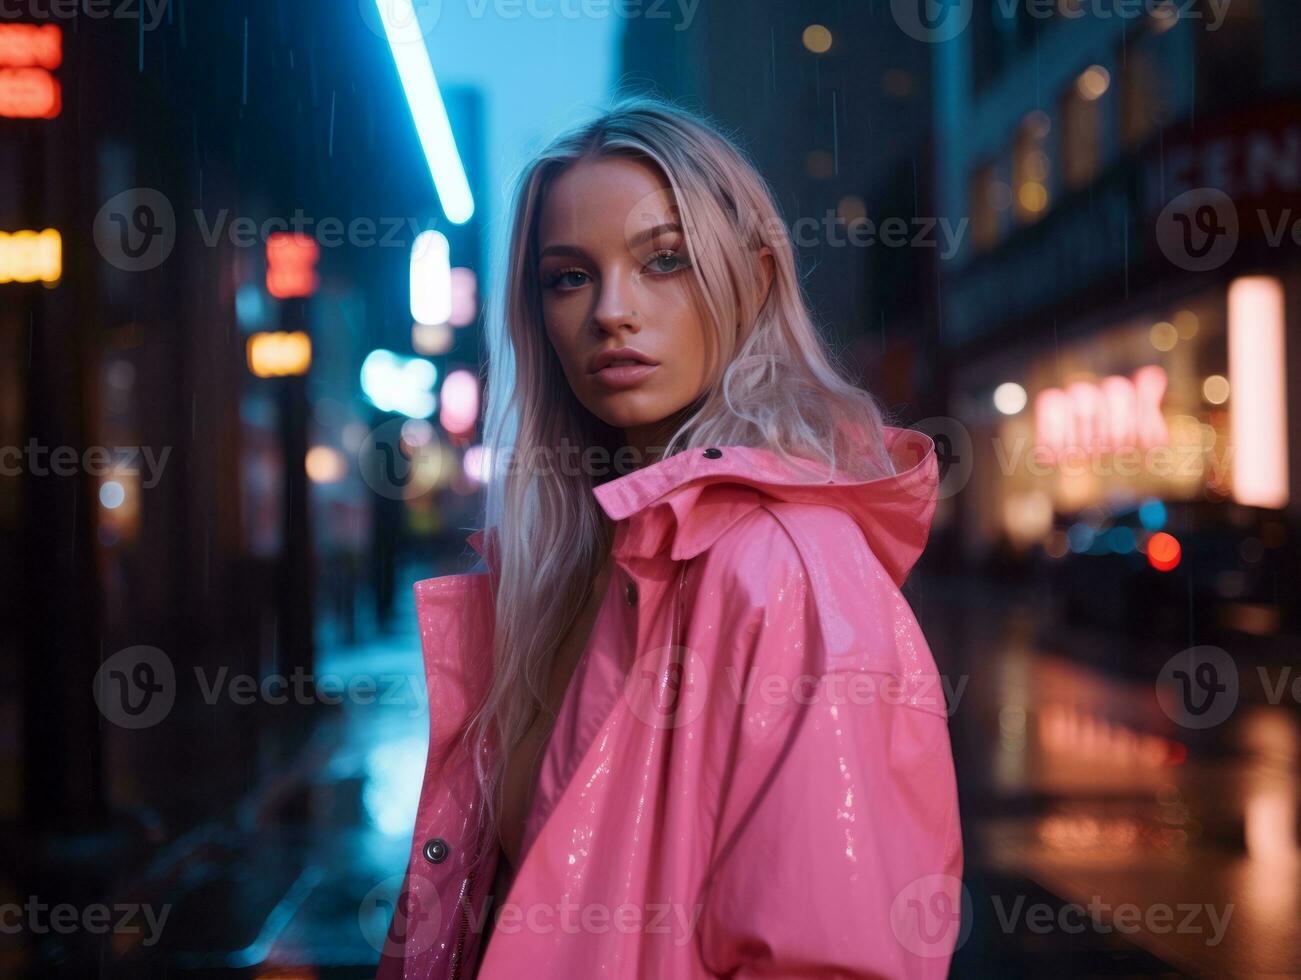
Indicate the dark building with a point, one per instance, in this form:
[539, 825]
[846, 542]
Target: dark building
[1116, 315]
[832, 104]
[181, 503]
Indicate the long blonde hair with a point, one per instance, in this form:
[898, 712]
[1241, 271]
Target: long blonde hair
[774, 386]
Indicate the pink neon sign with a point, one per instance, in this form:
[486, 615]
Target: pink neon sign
[1111, 415]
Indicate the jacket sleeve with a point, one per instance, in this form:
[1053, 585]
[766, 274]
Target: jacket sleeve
[838, 849]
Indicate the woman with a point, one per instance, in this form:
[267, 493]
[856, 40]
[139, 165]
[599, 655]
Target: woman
[685, 725]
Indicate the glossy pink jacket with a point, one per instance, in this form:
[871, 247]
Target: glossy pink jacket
[751, 772]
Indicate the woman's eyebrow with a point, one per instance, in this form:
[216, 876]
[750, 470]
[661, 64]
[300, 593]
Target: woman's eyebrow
[649, 233]
[637, 239]
[570, 250]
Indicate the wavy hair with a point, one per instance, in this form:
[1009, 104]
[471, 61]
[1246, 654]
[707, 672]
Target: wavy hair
[775, 385]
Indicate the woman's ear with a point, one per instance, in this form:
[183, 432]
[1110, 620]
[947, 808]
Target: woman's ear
[767, 269]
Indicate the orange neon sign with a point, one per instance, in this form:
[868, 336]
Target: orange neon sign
[291, 265]
[28, 55]
[31, 256]
[279, 354]
[29, 93]
[31, 46]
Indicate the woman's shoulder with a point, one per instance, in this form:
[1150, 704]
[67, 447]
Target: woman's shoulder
[803, 540]
[811, 571]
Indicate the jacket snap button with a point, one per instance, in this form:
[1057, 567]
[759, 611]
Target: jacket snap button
[712, 453]
[436, 850]
[630, 593]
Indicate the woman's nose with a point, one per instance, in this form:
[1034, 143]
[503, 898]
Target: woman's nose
[616, 304]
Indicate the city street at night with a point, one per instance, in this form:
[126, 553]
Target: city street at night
[400, 410]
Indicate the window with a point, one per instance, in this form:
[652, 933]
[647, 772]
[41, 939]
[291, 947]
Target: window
[983, 194]
[1030, 167]
[1081, 118]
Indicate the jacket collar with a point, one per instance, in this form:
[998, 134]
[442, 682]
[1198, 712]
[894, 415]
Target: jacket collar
[685, 502]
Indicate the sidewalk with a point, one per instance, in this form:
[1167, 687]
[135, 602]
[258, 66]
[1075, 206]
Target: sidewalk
[301, 880]
[1076, 785]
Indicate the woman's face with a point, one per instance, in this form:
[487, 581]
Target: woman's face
[616, 277]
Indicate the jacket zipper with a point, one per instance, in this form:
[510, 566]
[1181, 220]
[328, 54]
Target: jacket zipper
[458, 952]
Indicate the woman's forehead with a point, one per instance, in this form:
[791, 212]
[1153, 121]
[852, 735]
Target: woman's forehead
[609, 199]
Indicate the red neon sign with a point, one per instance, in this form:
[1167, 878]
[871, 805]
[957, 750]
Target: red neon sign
[291, 265]
[30, 46]
[29, 93]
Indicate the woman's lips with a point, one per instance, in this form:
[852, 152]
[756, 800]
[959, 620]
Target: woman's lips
[619, 376]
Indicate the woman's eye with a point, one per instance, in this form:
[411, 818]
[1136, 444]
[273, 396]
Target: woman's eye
[565, 279]
[667, 260]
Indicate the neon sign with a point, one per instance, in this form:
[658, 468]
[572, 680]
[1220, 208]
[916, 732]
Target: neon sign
[1114, 414]
[291, 265]
[28, 55]
[279, 354]
[31, 256]
[29, 93]
[31, 46]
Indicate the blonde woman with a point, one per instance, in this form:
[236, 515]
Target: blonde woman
[684, 723]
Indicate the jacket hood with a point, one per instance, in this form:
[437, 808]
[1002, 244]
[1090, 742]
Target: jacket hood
[685, 502]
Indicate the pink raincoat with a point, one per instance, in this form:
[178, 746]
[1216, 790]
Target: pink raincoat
[751, 772]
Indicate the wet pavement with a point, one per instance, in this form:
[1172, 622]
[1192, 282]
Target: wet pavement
[1102, 839]
[1093, 821]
